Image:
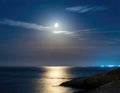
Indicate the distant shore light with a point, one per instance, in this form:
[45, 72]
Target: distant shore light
[109, 65]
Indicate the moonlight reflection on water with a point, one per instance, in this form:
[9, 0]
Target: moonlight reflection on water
[53, 77]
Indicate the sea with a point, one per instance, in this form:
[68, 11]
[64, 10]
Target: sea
[43, 79]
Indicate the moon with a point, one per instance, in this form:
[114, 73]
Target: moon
[56, 25]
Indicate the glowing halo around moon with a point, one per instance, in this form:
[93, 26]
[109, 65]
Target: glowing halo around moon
[57, 30]
[56, 25]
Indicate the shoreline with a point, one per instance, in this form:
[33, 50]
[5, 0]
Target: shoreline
[101, 82]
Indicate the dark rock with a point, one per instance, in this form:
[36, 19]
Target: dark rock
[94, 81]
[81, 92]
[112, 87]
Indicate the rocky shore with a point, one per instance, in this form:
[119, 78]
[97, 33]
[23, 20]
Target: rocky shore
[103, 83]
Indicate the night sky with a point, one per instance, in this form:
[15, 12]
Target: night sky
[88, 32]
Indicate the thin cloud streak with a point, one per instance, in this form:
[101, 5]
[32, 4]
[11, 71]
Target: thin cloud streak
[85, 9]
[98, 30]
[79, 35]
[64, 32]
[23, 24]
[32, 26]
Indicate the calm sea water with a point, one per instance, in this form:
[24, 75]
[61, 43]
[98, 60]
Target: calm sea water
[41, 79]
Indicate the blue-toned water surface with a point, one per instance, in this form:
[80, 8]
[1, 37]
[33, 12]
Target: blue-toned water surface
[42, 79]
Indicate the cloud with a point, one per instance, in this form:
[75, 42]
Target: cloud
[32, 26]
[82, 35]
[87, 8]
[23, 24]
[65, 32]
[98, 30]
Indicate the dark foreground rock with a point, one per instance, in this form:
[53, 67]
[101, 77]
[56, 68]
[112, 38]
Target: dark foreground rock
[112, 87]
[94, 81]
[80, 92]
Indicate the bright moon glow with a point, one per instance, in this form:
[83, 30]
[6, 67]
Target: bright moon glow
[58, 30]
[56, 25]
